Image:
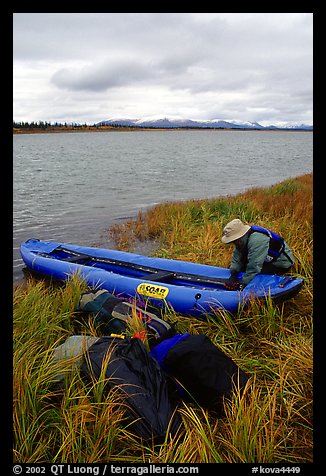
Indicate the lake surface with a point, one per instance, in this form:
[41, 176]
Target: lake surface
[72, 187]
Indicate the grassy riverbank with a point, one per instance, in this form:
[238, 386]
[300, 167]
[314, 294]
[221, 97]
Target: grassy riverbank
[271, 422]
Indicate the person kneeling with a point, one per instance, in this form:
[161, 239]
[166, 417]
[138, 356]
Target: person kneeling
[256, 250]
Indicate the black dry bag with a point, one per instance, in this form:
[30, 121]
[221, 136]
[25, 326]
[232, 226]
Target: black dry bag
[204, 373]
[139, 381]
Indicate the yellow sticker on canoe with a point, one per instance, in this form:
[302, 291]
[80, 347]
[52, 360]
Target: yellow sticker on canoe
[152, 290]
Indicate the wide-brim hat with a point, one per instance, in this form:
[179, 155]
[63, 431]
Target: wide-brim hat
[234, 230]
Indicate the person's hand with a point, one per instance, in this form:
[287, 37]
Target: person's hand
[233, 285]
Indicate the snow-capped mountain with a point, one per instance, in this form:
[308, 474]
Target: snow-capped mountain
[169, 123]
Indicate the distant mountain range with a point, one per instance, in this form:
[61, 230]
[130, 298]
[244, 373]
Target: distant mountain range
[167, 123]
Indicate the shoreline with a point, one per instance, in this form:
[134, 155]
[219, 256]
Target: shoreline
[125, 233]
[73, 129]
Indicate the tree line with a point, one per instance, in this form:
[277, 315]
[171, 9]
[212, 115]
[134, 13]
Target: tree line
[45, 125]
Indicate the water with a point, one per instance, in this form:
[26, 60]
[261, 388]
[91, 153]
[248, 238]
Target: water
[72, 187]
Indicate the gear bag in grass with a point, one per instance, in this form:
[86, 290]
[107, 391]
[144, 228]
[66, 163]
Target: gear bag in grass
[138, 379]
[112, 314]
[202, 371]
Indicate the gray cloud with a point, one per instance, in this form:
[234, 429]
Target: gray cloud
[101, 76]
[208, 64]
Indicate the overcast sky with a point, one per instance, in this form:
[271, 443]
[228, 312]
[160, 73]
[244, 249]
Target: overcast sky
[88, 67]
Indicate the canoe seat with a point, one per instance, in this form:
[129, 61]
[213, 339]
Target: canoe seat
[77, 258]
[159, 276]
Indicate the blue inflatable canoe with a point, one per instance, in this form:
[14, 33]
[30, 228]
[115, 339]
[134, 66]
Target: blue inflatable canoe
[189, 288]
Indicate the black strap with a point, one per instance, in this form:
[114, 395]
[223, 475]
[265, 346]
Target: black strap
[159, 276]
[288, 257]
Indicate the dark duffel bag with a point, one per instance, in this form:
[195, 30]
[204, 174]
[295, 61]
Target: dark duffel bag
[138, 379]
[203, 372]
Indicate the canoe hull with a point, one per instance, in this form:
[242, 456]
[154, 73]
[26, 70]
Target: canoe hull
[195, 290]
